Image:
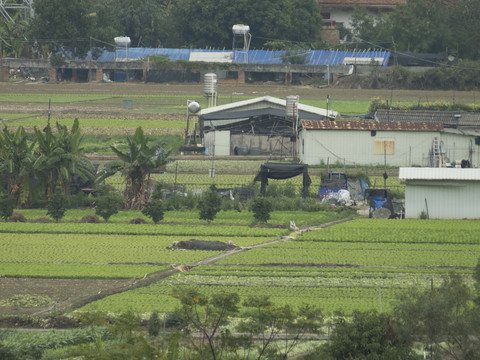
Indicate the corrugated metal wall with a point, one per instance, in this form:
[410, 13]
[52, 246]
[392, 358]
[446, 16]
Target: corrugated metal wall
[453, 199]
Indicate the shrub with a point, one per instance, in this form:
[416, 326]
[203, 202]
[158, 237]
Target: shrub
[17, 217]
[92, 219]
[154, 324]
[7, 204]
[108, 205]
[138, 221]
[43, 220]
[209, 204]
[57, 206]
[261, 208]
[154, 210]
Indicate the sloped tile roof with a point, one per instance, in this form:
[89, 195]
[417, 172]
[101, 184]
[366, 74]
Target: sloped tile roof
[449, 119]
[370, 125]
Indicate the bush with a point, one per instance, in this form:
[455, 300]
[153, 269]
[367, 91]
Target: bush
[209, 204]
[108, 205]
[43, 220]
[17, 217]
[261, 208]
[154, 324]
[7, 204]
[154, 210]
[138, 221]
[92, 219]
[57, 206]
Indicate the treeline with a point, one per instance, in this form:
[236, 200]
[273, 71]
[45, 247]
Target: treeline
[419, 26]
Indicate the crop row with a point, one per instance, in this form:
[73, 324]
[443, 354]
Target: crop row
[363, 254]
[176, 219]
[141, 229]
[104, 123]
[407, 231]
[329, 299]
[43, 270]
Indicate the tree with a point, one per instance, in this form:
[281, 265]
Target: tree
[59, 157]
[63, 26]
[210, 204]
[368, 335]
[261, 208]
[445, 319]
[280, 328]
[57, 206]
[108, 205]
[136, 166]
[154, 209]
[17, 164]
[154, 324]
[6, 206]
[202, 23]
[206, 315]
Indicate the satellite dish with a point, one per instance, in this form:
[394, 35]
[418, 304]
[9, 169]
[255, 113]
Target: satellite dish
[194, 107]
[442, 148]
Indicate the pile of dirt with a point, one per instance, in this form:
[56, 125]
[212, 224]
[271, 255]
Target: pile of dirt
[194, 244]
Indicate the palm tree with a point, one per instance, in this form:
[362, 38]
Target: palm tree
[60, 157]
[16, 163]
[136, 165]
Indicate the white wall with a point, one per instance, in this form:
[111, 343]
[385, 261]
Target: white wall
[451, 199]
[358, 147]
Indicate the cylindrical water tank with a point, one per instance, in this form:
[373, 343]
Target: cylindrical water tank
[291, 108]
[123, 41]
[210, 83]
[240, 29]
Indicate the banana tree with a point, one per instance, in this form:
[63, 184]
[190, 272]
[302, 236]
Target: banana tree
[136, 165]
[59, 157]
[16, 164]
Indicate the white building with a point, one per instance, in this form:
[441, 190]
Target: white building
[393, 143]
[442, 193]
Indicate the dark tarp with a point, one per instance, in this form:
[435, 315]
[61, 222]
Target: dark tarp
[283, 171]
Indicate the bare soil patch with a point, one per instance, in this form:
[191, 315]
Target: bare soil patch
[61, 292]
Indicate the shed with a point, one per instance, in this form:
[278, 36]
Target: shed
[442, 193]
[398, 143]
[255, 126]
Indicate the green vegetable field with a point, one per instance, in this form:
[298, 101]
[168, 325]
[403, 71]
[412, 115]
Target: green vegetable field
[357, 265]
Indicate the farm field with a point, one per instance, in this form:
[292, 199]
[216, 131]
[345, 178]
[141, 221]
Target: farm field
[345, 267]
[116, 252]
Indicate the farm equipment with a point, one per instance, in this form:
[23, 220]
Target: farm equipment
[382, 205]
[330, 186]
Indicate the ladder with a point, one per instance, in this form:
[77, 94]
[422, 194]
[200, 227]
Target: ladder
[436, 153]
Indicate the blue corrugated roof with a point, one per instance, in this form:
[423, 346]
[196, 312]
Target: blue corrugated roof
[312, 57]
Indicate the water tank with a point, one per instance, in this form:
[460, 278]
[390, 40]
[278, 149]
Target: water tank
[291, 109]
[240, 29]
[210, 83]
[122, 41]
[194, 107]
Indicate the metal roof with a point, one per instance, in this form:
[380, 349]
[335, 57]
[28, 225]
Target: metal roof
[268, 100]
[312, 57]
[412, 173]
[370, 125]
[451, 119]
